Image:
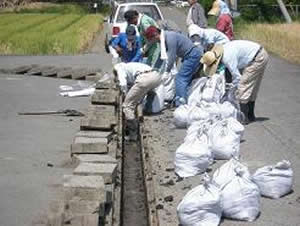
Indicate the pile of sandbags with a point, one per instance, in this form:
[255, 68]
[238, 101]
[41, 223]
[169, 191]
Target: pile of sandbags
[212, 117]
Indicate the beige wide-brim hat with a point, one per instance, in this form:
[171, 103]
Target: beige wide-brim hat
[215, 9]
[211, 60]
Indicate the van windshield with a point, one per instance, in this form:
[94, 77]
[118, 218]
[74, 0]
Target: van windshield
[149, 10]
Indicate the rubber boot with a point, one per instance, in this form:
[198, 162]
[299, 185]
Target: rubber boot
[251, 115]
[245, 109]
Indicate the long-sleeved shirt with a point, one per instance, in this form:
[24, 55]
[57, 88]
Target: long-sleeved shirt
[208, 36]
[225, 25]
[152, 50]
[178, 45]
[197, 16]
[237, 55]
[128, 55]
[127, 72]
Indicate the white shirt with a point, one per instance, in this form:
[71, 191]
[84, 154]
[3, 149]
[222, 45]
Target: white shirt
[237, 55]
[127, 72]
[189, 20]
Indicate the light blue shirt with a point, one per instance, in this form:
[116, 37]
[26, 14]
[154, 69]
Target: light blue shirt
[213, 36]
[237, 55]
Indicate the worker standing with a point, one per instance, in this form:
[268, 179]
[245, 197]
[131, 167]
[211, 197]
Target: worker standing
[196, 15]
[224, 21]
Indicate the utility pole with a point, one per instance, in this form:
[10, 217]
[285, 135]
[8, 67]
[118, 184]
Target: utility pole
[284, 11]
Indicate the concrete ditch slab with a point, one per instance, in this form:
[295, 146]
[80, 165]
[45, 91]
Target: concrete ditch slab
[99, 117]
[105, 96]
[50, 72]
[107, 171]
[89, 188]
[108, 135]
[83, 220]
[95, 158]
[23, 69]
[89, 145]
[77, 206]
[65, 73]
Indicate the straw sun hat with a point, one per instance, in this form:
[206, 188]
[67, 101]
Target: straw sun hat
[215, 9]
[211, 60]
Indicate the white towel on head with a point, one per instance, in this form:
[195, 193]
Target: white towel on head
[163, 49]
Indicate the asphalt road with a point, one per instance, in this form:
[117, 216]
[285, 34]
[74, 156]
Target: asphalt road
[27, 143]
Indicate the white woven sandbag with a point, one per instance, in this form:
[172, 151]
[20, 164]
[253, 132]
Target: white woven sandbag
[196, 114]
[224, 142]
[240, 197]
[195, 90]
[169, 84]
[193, 130]
[226, 172]
[228, 110]
[213, 109]
[236, 126]
[155, 100]
[180, 116]
[200, 206]
[275, 181]
[193, 156]
[214, 89]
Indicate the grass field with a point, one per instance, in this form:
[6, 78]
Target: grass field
[280, 39]
[47, 29]
[35, 34]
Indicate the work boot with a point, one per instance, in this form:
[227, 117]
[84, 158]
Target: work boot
[245, 110]
[251, 115]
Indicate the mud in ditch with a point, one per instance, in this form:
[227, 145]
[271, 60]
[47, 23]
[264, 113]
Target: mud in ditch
[134, 210]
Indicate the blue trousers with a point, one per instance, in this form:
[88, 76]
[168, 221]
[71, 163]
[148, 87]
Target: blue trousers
[184, 76]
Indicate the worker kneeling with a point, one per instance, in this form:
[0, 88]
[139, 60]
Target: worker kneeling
[135, 80]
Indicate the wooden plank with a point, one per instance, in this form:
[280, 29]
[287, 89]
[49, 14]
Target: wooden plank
[105, 96]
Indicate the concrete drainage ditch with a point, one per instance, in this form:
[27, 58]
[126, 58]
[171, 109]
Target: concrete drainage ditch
[110, 184]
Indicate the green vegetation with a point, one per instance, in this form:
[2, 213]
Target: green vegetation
[57, 29]
[280, 39]
[56, 8]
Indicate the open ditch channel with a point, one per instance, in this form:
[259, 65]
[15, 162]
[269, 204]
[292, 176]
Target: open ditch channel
[134, 201]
